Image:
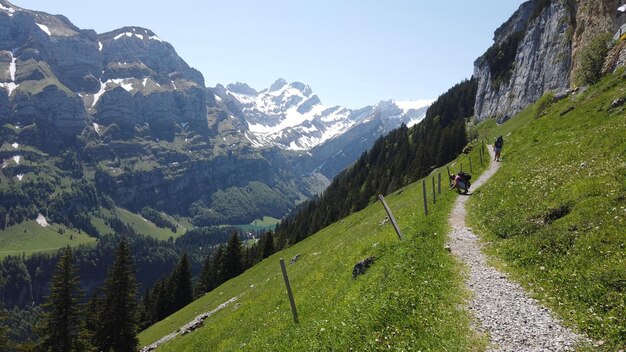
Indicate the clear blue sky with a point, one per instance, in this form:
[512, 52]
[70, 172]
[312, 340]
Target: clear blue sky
[351, 52]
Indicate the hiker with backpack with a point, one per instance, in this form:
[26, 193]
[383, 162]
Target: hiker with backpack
[497, 147]
[461, 182]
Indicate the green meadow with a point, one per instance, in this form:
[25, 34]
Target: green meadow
[554, 216]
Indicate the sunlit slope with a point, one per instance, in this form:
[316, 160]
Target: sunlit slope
[411, 297]
[31, 237]
[555, 213]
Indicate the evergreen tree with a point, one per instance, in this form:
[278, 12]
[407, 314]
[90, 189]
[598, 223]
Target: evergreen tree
[268, 244]
[147, 316]
[183, 289]
[117, 324]
[210, 275]
[61, 327]
[232, 264]
[4, 341]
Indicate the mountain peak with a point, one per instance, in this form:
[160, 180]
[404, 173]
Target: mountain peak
[133, 31]
[278, 85]
[303, 88]
[241, 88]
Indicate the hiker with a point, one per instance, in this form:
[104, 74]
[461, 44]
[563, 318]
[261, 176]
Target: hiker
[461, 182]
[497, 147]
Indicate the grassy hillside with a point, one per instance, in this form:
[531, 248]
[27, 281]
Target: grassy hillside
[30, 237]
[554, 215]
[145, 227]
[409, 298]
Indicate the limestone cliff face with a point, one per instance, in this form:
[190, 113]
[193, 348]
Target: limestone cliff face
[537, 41]
[542, 42]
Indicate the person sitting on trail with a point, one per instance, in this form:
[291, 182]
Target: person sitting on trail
[461, 182]
[497, 146]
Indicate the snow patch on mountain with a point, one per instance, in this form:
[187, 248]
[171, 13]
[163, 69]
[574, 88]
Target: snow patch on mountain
[44, 28]
[11, 86]
[9, 10]
[409, 105]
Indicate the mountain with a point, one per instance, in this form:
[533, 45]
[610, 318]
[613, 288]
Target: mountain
[290, 116]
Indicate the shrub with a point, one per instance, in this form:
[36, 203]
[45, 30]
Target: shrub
[592, 59]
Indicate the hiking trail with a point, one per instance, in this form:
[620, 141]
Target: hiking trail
[501, 308]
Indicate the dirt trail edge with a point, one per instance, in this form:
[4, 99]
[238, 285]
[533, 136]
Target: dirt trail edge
[501, 308]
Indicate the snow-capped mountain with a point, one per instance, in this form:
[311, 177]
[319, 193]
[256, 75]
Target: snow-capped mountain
[290, 116]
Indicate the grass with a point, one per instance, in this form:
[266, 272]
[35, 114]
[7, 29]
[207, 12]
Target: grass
[146, 227]
[29, 237]
[555, 213]
[267, 223]
[410, 299]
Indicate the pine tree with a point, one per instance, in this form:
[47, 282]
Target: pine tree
[268, 244]
[183, 289]
[210, 275]
[147, 316]
[117, 324]
[61, 327]
[4, 340]
[232, 262]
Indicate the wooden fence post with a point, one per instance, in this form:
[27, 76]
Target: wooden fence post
[289, 293]
[391, 217]
[434, 192]
[461, 167]
[481, 156]
[439, 187]
[425, 200]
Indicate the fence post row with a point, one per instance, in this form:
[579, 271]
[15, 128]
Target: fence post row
[391, 217]
[289, 293]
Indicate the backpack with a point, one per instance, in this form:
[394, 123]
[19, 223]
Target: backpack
[499, 142]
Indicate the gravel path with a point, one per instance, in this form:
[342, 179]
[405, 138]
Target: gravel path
[501, 308]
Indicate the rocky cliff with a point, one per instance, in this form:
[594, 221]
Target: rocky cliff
[537, 51]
